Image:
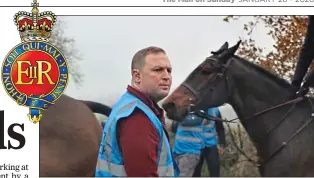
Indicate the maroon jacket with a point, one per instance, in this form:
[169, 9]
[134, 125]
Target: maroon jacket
[138, 139]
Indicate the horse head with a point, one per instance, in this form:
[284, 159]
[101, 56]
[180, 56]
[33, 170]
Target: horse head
[205, 87]
[261, 101]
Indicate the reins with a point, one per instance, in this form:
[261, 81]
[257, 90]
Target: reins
[256, 163]
[283, 144]
[275, 107]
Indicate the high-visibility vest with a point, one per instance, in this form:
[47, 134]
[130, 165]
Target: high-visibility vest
[210, 132]
[189, 139]
[110, 161]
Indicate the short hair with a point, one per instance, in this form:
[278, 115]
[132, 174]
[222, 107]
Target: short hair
[138, 59]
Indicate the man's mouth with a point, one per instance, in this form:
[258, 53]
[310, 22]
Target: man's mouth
[164, 86]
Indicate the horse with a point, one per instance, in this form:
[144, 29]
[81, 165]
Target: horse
[69, 138]
[281, 128]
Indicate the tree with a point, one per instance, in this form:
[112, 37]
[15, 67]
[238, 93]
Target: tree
[67, 47]
[288, 34]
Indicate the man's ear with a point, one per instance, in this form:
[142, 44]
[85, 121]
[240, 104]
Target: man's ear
[136, 75]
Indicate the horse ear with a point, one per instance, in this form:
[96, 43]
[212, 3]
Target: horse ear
[234, 48]
[222, 48]
[230, 52]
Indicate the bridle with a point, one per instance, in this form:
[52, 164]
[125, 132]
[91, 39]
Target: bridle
[278, 149]
[222, 75]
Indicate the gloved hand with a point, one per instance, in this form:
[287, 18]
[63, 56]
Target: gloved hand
[302, 92]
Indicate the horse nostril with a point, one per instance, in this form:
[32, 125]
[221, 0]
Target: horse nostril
[169, 106]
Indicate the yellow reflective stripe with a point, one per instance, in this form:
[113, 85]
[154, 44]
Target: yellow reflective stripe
[190, 139]
[193, 129]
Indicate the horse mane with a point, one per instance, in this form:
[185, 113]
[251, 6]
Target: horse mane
[284, 83]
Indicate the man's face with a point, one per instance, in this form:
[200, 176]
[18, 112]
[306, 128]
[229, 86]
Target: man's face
[155, 76]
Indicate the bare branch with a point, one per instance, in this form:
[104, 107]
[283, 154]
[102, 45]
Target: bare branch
[67, 47]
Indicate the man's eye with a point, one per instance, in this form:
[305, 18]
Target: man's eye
[158, 70]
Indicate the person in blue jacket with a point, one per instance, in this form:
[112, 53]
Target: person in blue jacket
[137, 109]
[213, 146]
[189, 141]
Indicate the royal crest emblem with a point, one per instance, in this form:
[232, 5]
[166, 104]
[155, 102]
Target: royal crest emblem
[35, 72]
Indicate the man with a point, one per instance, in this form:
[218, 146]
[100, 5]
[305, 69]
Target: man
[305, 59]
[211, 152]
[135, 141]
[189, 141]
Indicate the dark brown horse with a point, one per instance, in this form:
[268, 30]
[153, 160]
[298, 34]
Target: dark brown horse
[282, 130]
[70, 137]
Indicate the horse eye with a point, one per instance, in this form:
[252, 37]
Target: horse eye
[205, 70]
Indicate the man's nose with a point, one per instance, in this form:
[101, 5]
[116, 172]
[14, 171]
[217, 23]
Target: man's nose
[167, 75]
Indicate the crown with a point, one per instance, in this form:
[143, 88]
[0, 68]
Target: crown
[35, 25]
